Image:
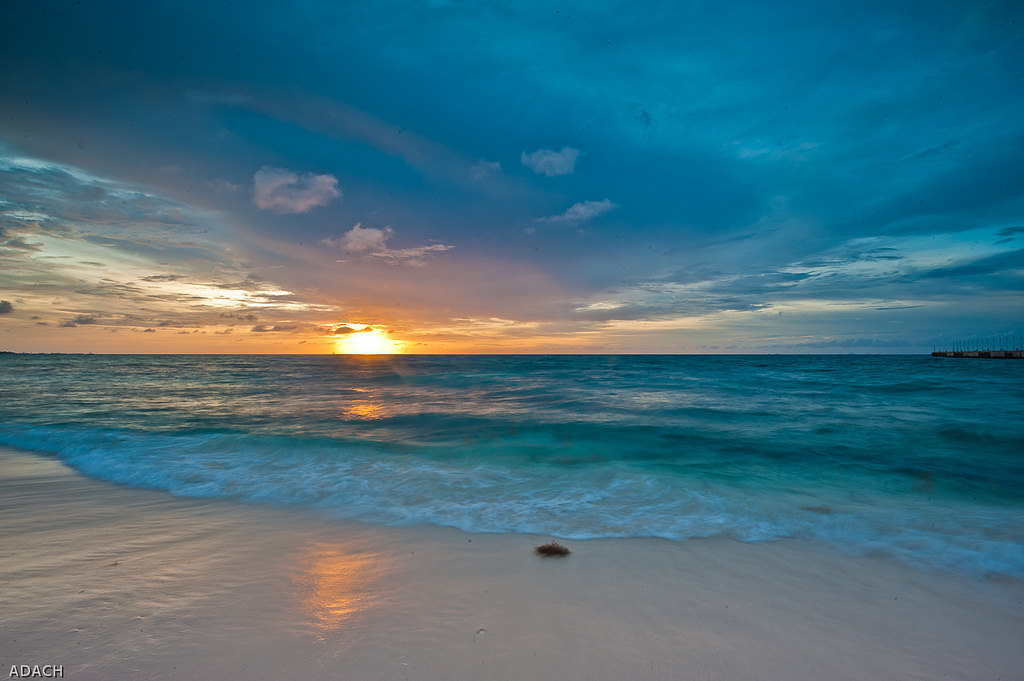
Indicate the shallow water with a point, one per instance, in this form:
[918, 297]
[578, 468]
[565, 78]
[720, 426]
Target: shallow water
[914, 457]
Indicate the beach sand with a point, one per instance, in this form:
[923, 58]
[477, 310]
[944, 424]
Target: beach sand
[113, 583]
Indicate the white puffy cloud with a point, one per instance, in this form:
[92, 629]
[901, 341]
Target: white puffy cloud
[551, 163]
[285, 191]
[361, 239]
[580, 212]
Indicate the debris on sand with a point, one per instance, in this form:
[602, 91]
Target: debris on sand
[552, 548]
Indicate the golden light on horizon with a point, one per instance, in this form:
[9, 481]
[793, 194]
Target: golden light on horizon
[368, 341]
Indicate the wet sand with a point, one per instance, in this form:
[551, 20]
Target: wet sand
[115, 583]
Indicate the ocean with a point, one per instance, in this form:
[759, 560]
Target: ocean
[917, 458]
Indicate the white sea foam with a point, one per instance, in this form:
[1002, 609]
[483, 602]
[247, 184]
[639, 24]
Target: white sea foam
[603, 499]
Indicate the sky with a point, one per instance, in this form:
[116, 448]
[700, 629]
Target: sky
[489, 177]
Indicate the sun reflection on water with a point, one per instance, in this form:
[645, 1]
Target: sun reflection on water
[366, 410]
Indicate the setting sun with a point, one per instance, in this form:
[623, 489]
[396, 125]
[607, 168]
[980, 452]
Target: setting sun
[368, 341]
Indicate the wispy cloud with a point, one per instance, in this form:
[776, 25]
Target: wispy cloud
[1008, 234]
[19, 243]
[223, 187]
[581, 212]
[80, 251]
[551, 163]
[484, 169]
[371, 242]
[285, 191]
[79, 319]
[276, 328]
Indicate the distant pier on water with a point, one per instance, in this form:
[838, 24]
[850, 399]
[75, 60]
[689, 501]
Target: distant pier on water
[993, 348]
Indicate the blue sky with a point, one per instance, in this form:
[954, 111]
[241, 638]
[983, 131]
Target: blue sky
[510, 177]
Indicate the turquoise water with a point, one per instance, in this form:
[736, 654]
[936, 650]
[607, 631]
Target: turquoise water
[914, 457]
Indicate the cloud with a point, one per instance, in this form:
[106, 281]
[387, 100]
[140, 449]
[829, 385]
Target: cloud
[580, 212]
[45, 200]
[220, 186]
[79, 320]
[241, 317]
[162, 277]
[483, 169]
[1008, 234]
[345, 330]
[551, 163]
[20, 244]
[414, 256]
[6, 307]
[284, 191]
[370, 242]
[361, 239]
[1010, 262]
[260, 328]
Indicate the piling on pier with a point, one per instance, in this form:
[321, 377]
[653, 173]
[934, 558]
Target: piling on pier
[991, 348]
[988, 354]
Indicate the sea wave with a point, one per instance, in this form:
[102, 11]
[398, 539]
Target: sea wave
[580, 500]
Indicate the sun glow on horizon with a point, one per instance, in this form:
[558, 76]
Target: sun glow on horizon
[368, 341]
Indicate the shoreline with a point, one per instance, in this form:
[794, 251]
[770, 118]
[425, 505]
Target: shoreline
[118, 583]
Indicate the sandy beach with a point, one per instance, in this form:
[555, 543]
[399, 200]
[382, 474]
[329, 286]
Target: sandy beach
[115, 583]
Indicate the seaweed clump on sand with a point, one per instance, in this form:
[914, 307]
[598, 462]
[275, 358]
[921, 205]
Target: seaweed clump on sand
[552, 548]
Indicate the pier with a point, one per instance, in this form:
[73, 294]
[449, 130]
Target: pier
[988, 354]
[994, 348]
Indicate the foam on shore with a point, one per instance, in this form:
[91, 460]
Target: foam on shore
[114, 583]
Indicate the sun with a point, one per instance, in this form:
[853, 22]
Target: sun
[368, 341]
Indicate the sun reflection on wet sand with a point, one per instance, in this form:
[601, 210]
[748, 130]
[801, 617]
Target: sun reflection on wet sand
[336, 584]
